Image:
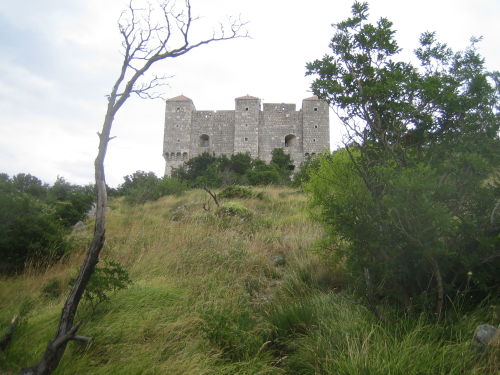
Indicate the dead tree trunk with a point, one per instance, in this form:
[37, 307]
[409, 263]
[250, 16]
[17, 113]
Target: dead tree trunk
[145, 41]
[66, 329]
[212, 194]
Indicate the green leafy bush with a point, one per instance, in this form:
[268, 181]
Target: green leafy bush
[234, 209]
[71, 202]
[170, 186]
[30, 231]
[207, 170]
[104, 281]
[263, 174]
[141, 187]
[407, 201]
[235, 191]
[307, 167]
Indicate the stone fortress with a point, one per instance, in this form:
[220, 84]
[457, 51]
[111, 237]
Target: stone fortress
[248, 128]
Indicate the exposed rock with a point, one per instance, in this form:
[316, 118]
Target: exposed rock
[91, 211]
[278, 260]
[178, 213]
[79, 225]
[485, 335]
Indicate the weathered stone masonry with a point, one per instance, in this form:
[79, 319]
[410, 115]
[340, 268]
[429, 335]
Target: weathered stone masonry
[249, 128]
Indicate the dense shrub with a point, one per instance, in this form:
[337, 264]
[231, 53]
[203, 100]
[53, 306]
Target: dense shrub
[263, 174]
[36, 217]
[206, 170]
[29, 231]
[31, 185]
[307, 167]
[235, 191]
[410, 203]
[234, 209]
[71, 202]
[141, 187]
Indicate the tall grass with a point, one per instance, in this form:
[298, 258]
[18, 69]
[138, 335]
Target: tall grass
[207, 298]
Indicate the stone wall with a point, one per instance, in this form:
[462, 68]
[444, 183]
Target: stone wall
[248, 128]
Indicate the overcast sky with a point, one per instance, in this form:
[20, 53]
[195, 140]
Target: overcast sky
[59, 58]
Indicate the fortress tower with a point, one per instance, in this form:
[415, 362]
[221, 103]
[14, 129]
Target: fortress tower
[249, 128]
[177, 134]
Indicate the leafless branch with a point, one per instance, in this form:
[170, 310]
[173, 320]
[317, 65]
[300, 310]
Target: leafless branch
[149, 35]
[212, 194]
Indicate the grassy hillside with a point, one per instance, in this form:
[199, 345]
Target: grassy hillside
[230, 292]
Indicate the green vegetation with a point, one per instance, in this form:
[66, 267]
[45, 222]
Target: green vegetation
[240, 169]
[410, 204]
[401, 270]
[35, 218]
[141, 187]
[207, 298]
[235, 191]
[105, 280]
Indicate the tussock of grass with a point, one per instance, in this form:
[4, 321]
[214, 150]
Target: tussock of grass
[206, 298]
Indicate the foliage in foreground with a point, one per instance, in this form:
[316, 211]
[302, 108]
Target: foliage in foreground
[410, 205]
[35, 218]
[206, 298]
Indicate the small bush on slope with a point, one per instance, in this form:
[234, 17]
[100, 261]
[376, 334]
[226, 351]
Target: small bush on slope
[243, 192]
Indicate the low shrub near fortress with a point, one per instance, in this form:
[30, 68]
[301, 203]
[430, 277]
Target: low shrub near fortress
[234, 209]
[239, 169]
[141, 187]
[242, 192]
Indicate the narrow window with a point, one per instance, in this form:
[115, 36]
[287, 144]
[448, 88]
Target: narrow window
[178, 140]
[315, 109]
[178, 109]
[314, 139]
[246, 109]
[246, 139]
[290, 140]
[204, 140]
[315, 126]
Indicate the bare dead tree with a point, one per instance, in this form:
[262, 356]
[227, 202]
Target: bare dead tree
[214, 197]
[149, 35]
